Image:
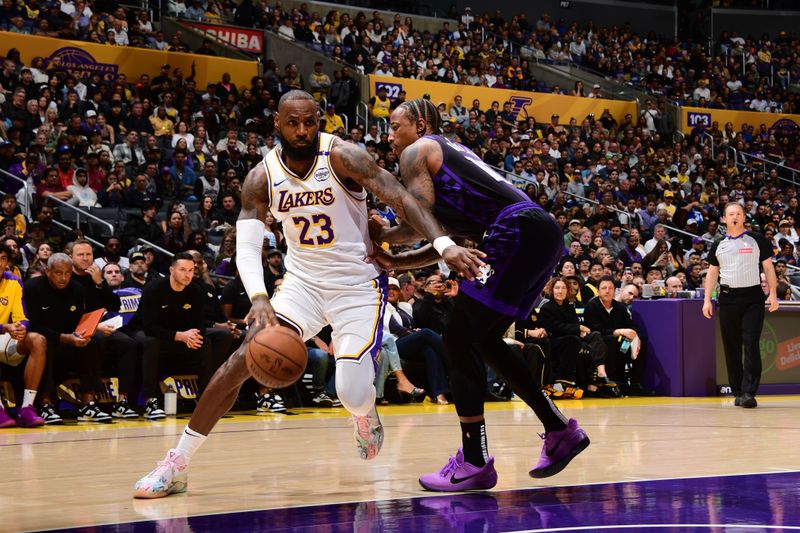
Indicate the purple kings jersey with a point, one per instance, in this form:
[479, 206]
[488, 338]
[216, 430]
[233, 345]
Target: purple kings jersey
[469, 193]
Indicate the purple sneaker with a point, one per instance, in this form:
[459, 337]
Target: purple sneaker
[458, 475]
[5, 420]
[27, 417]
[559, 448]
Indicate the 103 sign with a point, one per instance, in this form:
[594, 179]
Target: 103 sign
[699, 119]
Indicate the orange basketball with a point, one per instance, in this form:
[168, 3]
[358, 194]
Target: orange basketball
[276, 357]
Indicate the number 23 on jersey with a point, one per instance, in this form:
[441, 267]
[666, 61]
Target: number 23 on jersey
[315, 231]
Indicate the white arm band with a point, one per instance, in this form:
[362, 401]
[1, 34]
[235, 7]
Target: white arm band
[249, 242]
[440, 244]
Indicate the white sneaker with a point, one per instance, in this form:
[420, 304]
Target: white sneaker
[368, 435]
[153, 411]
[170, 476]
[91, 412]
[270, 403]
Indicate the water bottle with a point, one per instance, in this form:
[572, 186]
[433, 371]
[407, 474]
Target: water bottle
[170, 401]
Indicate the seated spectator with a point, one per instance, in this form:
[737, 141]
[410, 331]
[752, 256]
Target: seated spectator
[82, 194]
[176, 232]
[138, 274]
[10, 209]
[112, 194]
[112, 254]
[143, 226]
[626, 347]
[114, 345]
[414, 344]
[169, 325]
[53, 235]
[202, 220]
[433, 310]
[569, 339]
[20, 343]
[55, 304]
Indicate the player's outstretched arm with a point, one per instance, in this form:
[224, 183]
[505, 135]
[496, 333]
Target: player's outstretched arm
[416, 210]
[249, 242]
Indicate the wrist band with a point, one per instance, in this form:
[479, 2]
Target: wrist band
[440, 244]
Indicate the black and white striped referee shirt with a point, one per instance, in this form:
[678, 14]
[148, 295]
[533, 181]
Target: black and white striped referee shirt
[739, 259]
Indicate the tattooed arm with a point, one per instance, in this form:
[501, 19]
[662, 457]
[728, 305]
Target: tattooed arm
[352, 162]
[416, 210]
[249, 242]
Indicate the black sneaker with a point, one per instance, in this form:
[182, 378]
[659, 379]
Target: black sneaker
[91, 412]
[322, 400]
[50, 415]
[152, 411]
[121, 409]
[748, 401]
[270, 403]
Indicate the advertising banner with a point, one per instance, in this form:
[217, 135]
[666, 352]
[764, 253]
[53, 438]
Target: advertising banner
[245, 39]
[780, 349]
[700, 116]
[81, 58]
[527, 104]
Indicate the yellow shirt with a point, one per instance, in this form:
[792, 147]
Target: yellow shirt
[332, 123]
[11, 308]
[380, 108]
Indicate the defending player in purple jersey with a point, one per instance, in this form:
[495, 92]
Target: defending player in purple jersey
[521, 244]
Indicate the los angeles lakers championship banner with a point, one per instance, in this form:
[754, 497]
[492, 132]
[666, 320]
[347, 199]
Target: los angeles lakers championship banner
[526, 104]
[700, 116]
[81, 58]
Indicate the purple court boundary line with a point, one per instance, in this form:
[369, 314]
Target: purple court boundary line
[429, 494]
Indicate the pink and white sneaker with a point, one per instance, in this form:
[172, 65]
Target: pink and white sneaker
[368, 435]
[170, 476]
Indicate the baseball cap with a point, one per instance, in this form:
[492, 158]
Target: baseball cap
[697, 240]
[392, 282]
[574, 221]
[136, 256]
[554, 115]
[596, 86]
[91, 113]
[692, 222]
[525, 137]
[669, 194]
[784, 222]
[273, 251]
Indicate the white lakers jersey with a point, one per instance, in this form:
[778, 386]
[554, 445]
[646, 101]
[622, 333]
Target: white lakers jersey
[325, 224]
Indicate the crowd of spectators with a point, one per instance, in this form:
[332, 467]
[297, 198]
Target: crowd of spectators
[171, 156]
[490, 50]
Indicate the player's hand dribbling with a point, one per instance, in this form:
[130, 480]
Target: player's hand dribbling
[465, 261]
[262, 313]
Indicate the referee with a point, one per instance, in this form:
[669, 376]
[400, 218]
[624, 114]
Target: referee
[735, 262]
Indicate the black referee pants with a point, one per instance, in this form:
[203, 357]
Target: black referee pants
[740, 325]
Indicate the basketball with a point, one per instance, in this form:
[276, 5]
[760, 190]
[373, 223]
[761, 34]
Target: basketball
[276, 357]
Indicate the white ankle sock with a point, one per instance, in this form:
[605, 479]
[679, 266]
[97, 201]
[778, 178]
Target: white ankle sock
[27, 397]
[190, 442]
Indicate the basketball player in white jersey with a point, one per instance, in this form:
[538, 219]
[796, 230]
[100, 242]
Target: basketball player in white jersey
[316, 185]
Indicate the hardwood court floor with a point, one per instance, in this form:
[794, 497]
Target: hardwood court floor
[82, 474]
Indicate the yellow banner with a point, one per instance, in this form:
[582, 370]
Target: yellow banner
[700, 116]
[541, 106]
[81, 58]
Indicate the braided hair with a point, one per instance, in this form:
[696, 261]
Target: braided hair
[422, 108]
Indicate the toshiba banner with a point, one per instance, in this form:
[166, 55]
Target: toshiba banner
[242, 38]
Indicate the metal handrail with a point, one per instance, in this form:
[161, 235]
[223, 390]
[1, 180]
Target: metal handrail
[28, 197]
[155, 247]
[80, 212]
[70, 228]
